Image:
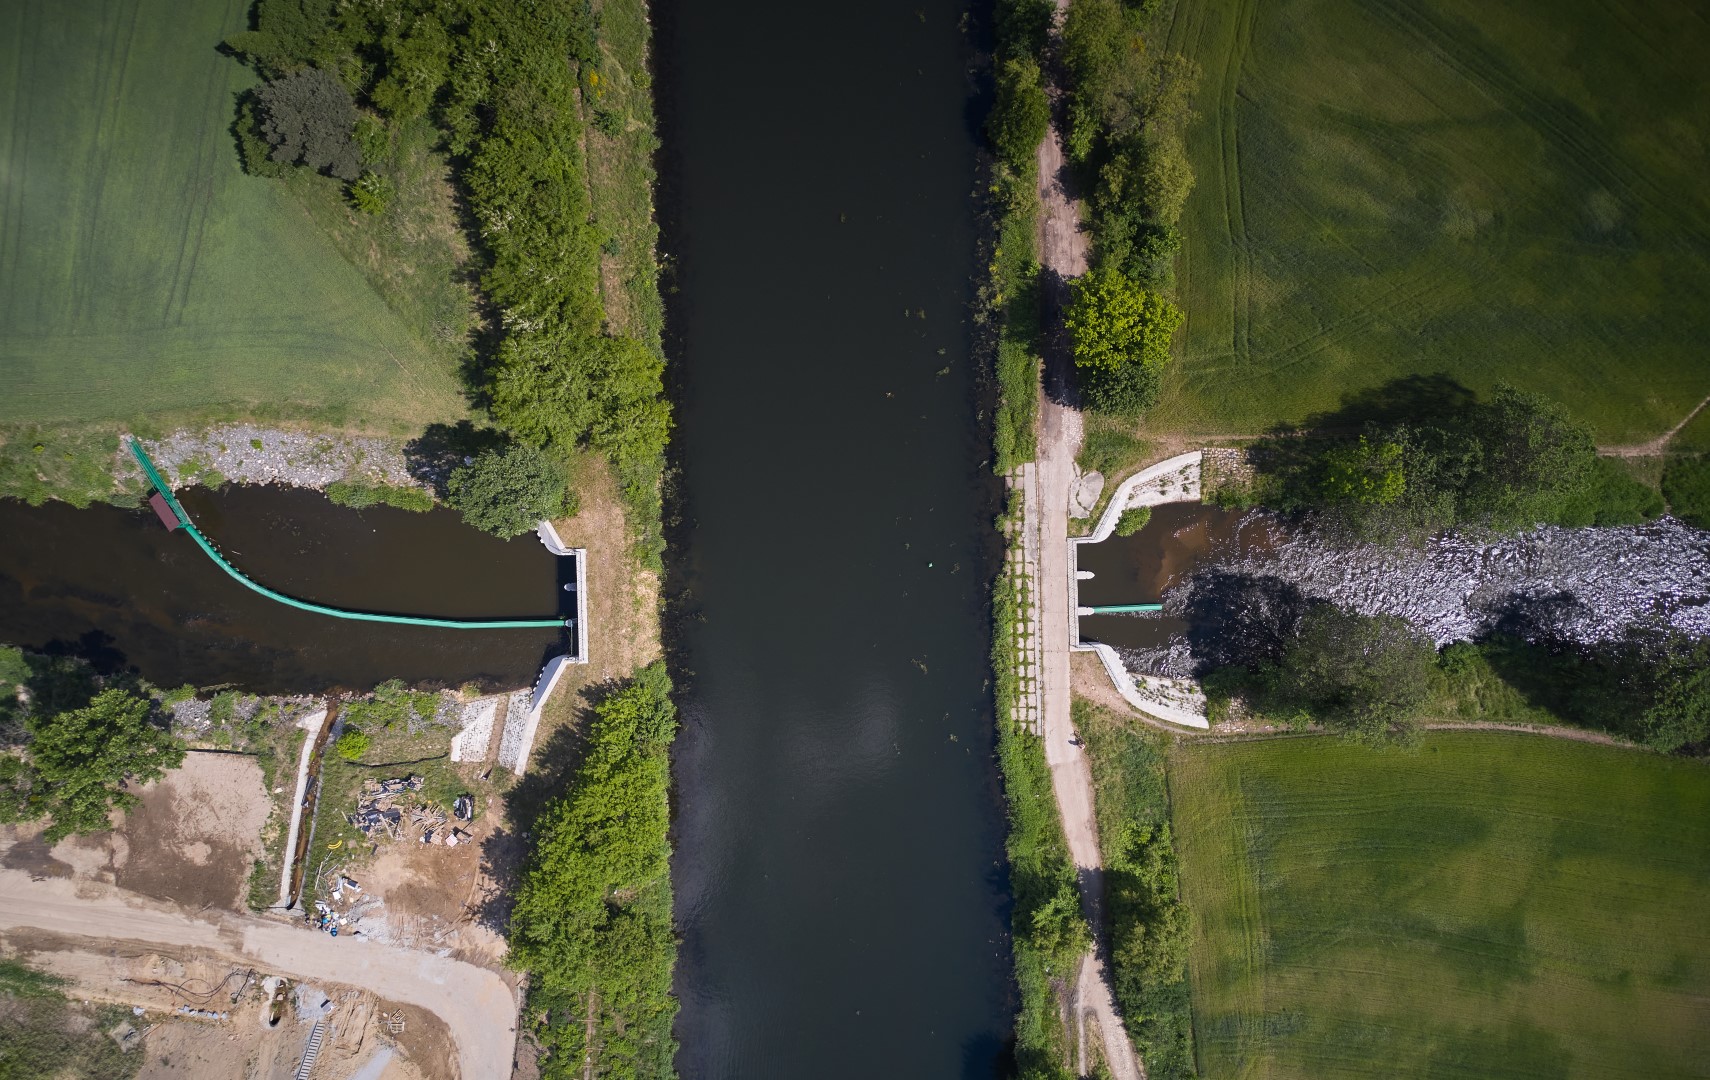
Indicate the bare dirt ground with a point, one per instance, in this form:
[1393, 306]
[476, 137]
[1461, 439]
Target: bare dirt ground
[142, 952]
[193, 838]
[142, 976]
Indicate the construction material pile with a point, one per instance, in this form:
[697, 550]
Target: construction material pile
[390, 809]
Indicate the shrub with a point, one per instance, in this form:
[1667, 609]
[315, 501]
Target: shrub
[353, 744]
[1133, 520]
[359, 495]
[1020, 115]
[371, 192]
[1686, 485]
[507, 492]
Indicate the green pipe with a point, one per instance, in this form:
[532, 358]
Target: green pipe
[304, 605]
[1125, 609]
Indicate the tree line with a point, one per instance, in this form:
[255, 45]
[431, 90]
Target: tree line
[505, 82]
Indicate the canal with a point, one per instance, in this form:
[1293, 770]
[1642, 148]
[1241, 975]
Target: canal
[839, 869]
[114, 586]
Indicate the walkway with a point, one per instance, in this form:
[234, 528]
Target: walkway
[1063, 251]
[477, 1005]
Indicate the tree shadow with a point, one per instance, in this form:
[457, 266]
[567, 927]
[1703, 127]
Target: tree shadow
[1289, 453]
[1240, 620]
[1056, 347]
[441, 448]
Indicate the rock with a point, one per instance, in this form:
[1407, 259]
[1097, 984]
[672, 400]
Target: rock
[1083, 496]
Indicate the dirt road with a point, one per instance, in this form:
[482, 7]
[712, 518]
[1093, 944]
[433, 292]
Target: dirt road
[477, 1005]
[1063, 250]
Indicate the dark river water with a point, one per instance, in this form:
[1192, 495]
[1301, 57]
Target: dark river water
[839, 869]
[115, 586]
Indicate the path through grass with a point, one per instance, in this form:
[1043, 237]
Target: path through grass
[1485, 906]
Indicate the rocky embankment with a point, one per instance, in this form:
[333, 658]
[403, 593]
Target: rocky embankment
[250, 454]
[1579, 585]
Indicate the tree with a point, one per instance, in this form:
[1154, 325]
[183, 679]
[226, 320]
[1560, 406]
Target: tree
[1020, 115]
[80, 764]
[1363, 472]
[1681, 714]
[1366, 676]
[1535, 458]
[308, 117]
[508, 491]
[1121, 335]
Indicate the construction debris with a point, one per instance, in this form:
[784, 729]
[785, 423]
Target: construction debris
[385, 808]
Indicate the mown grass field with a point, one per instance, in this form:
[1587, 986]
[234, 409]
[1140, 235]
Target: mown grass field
[1484, 906]
[1497, 190]
[142, 275]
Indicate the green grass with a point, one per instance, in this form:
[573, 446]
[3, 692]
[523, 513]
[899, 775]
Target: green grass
[621, 143]
[1485, 906]
[143, 277]
[1498, 191]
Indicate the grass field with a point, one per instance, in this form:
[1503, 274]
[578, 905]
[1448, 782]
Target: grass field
[142, 275]
[1485, 906]
[1499, 190]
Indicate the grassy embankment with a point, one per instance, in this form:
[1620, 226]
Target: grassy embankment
[1149, 923]
[1389, 189]
[1047, 933]
[1484, 905]
[148, 283]
[1010, 303]
[45, 1034]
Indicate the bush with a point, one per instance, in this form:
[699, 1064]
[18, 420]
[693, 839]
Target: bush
[360, 495]
[1686, 486]
[1020, 115]
[353, 744]
[1133, 520]
[508, 492]
[371, 193]
[1610, 496]
[1121, 336]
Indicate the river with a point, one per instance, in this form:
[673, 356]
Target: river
[839, 869]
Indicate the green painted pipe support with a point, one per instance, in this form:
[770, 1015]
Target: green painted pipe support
[160, 485]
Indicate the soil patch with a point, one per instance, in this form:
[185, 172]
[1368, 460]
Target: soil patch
[31, 855]
[193, 838]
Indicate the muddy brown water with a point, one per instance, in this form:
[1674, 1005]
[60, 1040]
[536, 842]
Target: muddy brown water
[115, 586]
[1140, 569]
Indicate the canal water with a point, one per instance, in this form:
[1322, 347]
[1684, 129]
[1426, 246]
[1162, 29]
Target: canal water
[839, 869]
[113, 585]
[1141, 568]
